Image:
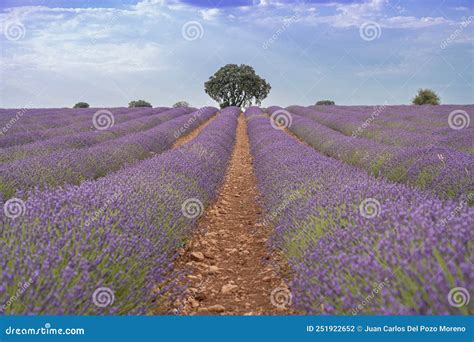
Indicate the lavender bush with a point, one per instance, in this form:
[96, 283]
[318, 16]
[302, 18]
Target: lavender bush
[435, 168]
[41, 124]
[78, 138]
[119, 233]
[73, 166]
[406, 126]
[356, 244]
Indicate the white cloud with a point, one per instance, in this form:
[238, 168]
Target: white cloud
[209, 14]
[412, 22]
[144, 40]
[460, 8]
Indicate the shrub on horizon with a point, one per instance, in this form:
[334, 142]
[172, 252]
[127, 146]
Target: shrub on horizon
[81, 105]
[181, 104]
[139, 103]
[426, 96]
[325, 103]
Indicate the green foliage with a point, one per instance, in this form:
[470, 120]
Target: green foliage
[81, 105]
[237, 85]
[426, 96]
[139, 103]
[180, 104]
[325, 103]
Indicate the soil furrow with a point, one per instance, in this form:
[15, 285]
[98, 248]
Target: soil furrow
[193, 134]
[227, 264]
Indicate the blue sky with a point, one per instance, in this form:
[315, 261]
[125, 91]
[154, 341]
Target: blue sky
[55, 53]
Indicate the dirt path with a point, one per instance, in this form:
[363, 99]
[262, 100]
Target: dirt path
[193, 134]
[227, 263]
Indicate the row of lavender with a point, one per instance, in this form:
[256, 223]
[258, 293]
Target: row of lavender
[79, 138]
[39, 125]
[445, 125]
[73, 165]
[356, 244]
[438, 169]
[422, 119]
[106, 246]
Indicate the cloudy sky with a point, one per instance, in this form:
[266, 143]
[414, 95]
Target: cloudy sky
[105, 52]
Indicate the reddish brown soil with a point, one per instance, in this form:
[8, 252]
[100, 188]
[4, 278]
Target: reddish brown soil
[193, 134]
[227, 264]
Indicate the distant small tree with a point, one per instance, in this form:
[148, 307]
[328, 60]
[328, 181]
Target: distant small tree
[236, 85]
[81, 105]
[426, 96]
[180, 104]
[139, 103]
[325, 103]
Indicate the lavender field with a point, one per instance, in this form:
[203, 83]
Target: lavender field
[369, 209]
[241, 171]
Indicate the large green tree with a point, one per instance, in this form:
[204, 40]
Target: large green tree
[237, 85]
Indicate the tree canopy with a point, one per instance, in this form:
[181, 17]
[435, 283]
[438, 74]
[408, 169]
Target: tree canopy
[81, 105]
[237, 85]
[139, 103]
[180, 104]
[426, 96]
[325, 103]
